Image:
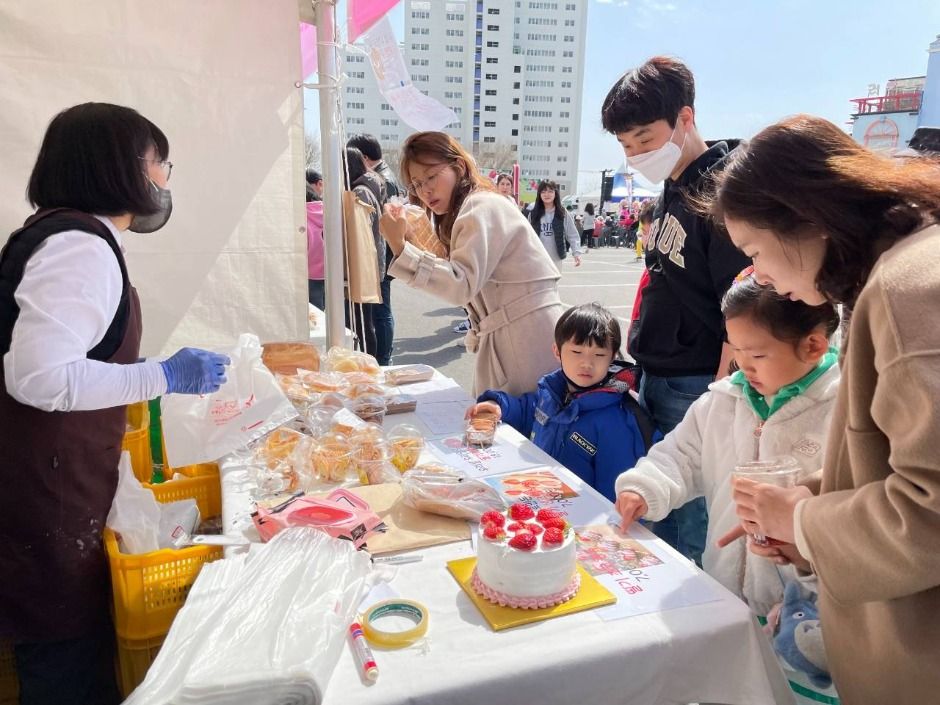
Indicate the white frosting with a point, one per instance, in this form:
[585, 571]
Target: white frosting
[544, 570]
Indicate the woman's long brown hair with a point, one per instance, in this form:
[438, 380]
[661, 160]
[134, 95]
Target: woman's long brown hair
[804, 176]
[431, 149]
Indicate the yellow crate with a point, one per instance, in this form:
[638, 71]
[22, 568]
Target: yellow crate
[150, 588]
[137, 441]
[201, 483]
[134, 658]
[9, 685]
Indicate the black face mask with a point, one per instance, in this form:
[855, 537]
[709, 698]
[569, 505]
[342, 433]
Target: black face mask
[578, 388]
[152, 223]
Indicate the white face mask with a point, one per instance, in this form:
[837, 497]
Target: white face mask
[658, 164]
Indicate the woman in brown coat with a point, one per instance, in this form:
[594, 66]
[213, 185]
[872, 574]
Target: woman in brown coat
[825, 219]
[496, 268]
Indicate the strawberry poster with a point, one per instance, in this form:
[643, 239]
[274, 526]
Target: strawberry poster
[644, 577]
[554, 489]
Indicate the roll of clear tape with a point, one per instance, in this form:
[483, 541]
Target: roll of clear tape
[414, 611]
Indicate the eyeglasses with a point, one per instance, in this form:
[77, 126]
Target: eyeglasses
[164, 164]
[428, 183]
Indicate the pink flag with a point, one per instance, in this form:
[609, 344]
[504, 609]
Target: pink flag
[308, 49]
[362, 14]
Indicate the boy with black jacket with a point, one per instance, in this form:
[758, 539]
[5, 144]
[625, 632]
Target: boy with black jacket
[679, 340]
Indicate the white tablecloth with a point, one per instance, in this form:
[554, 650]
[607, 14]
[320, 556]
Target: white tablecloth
[710, 653]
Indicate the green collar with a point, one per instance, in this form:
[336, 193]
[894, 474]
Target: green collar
[785, 394]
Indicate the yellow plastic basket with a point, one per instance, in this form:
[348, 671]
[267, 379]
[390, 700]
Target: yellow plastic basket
[137, 441]
[150, 588]
[201, 483]
[134, 659]
[9, 685]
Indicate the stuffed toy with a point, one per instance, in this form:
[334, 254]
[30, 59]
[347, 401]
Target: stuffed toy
[798, 637]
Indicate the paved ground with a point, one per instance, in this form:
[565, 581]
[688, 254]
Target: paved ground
[424, 325]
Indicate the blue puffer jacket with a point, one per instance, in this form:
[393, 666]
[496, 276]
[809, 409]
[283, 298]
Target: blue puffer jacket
[594, 436]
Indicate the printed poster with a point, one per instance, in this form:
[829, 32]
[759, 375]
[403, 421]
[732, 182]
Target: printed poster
[544, 487]
[499, 458]
[643, 578]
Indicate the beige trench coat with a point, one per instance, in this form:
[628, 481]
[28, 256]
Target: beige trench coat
[499, 271]
[873, 534]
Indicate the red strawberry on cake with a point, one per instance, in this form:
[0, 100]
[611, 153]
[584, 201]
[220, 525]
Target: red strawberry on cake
[535, 568]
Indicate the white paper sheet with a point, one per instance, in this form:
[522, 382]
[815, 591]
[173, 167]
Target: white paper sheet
[443, 418]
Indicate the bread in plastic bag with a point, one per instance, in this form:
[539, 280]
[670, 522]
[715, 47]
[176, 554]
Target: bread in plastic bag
[439, 489]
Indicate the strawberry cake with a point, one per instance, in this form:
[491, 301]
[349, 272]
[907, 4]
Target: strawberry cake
[526, 559]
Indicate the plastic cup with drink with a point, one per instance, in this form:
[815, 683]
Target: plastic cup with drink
[781, 471]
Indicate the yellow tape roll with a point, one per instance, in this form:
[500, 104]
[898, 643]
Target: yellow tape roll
[395, 640]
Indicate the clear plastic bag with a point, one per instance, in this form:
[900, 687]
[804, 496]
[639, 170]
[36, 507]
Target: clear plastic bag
[439, 489]
[262, 628]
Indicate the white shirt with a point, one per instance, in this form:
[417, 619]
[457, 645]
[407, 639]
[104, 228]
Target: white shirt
[69, 294]
[547, 235]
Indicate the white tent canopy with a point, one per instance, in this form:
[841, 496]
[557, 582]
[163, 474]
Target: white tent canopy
[218, 77]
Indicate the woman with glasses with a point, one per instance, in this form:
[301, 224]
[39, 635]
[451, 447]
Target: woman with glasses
[70, 332]
[496, 267]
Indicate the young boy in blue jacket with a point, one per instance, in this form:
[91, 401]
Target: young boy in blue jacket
[582, 415]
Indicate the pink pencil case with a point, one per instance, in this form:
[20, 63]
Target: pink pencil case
[341, 514]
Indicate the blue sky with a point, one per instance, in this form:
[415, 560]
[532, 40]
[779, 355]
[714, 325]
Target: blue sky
[755, 61]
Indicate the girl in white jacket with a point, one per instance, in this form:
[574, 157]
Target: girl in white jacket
[778, 402]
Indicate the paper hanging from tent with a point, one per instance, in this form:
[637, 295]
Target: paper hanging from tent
[308, 49]
[417, 110]
[363, 14]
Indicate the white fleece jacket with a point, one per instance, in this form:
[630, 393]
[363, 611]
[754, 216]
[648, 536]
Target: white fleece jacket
[719, 431]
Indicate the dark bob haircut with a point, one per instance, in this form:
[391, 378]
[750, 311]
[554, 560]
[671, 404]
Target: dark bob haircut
[90, 160]
[588, 322]
[657, 90]
[368, 145]
[786, 320]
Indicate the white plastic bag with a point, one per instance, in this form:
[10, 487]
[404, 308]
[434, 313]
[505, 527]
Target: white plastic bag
[134, 514]
[176, 518]
[262, 628]
[203, 428]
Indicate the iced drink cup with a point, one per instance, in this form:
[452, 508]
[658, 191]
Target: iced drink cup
[781, 471]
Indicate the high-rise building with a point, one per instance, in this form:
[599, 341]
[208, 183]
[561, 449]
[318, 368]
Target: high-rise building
[512, 70]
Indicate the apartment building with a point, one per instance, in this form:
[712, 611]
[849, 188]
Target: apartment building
[512, 70]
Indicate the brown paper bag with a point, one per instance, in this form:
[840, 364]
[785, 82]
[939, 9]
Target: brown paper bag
[362, 268]
[408, 528]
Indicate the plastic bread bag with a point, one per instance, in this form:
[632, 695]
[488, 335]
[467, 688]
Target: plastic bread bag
[134, 514]
[267, 627]
[342, 360]
[200, 428]
[439, 489]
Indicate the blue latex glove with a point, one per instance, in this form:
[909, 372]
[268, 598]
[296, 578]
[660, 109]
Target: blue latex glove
[194, 371]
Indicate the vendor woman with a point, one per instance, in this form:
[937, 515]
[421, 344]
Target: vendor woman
[69, 336]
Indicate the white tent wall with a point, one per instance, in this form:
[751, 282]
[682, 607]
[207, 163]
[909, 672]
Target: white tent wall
[217, 76]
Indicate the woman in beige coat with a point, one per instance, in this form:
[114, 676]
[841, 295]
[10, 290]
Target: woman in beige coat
[496, 268]
[825, 219]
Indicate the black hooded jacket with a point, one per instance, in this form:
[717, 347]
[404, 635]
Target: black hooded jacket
[681, 330]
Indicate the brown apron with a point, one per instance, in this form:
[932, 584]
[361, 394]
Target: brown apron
[58, 476]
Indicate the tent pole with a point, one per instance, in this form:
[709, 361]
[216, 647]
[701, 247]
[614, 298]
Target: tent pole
[325, 13]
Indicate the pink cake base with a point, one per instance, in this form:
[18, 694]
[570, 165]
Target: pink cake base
[526, 603]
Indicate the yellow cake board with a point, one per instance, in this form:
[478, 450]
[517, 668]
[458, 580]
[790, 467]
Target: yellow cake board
[591, 594]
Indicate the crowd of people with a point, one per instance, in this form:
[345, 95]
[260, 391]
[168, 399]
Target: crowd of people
[750, 253]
